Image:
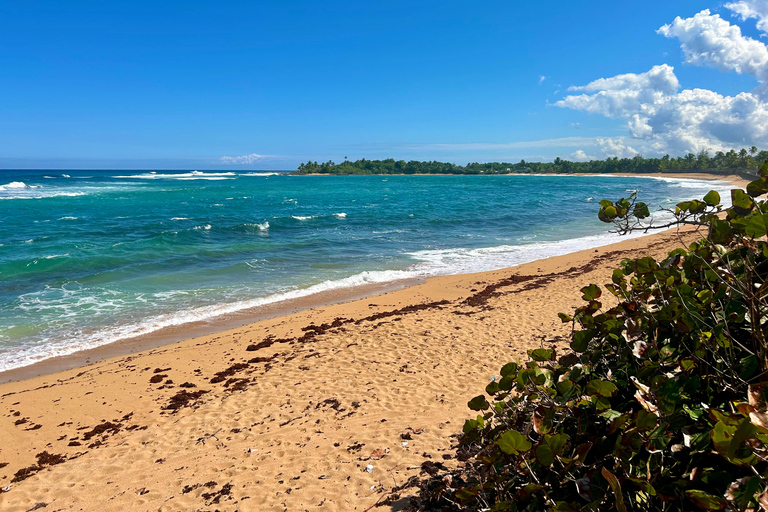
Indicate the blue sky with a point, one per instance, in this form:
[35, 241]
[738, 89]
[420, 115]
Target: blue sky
[266, 85]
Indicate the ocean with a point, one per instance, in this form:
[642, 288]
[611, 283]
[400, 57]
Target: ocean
[88, 258]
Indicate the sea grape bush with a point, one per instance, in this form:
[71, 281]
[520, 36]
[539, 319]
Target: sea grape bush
[661, 405]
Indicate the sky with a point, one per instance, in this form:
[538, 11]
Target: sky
[267, 85]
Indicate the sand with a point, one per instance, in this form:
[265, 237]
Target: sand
[323, 409]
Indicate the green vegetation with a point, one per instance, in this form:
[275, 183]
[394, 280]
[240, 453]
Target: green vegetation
[662, 403]
[729, 162]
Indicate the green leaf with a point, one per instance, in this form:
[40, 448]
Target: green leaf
[604, 203]
[581, 339]
[565, 318]
[643, 485]
[564, 387]
[544, 455]
[601, 388]
[729, 441]
[479, 403]
[471, 425]
[513, 443]
[756, 226]
[705, 500]
[720, 231]
[508, 382]
[591, 292]
[712, 198]
[541, 354]
[508, 369]
[757, 187]
[556, 442]
[764, 169]
[641, 211]
[492, 387]
[646, 265]
[742, 203]
[646, 420]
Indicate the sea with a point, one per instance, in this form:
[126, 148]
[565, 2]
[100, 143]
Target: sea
[92, 257]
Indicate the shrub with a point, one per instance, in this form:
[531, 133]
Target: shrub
[662, 403]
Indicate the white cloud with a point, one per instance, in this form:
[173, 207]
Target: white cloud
[757, 9]
[709, 40]
[611, 147]
[241, 160]
[581, 156]
[541, 79]
[664, 119]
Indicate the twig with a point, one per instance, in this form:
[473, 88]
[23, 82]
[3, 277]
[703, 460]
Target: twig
[207, 436]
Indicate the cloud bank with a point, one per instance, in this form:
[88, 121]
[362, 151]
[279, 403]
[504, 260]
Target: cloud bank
[241, 160]
[662, 118]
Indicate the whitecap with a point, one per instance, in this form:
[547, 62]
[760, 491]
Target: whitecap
[17, 185]
[205, 227]
[194, 175]
[302, 218]
[340, 215]
[179, 218]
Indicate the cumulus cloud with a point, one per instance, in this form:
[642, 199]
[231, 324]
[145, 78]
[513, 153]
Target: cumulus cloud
[615, 146]
[241, 160]
[709, 40]
[669, 120]
[581, 156]
[757, 9]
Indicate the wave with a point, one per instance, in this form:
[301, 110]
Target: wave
[179, 218]
[17, 185]
[194, 175]
[55, 348]
[37, 194]
[427, 263]
[259, 174]
[21, 190]
[340, 215]
[301, 218]
[204, 227]
[67, 218]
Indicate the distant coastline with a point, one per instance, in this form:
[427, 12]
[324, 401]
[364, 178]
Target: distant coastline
[743, 163]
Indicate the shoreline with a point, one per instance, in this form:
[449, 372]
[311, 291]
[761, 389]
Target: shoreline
[191, 330]
[224, 322]
[295, 408]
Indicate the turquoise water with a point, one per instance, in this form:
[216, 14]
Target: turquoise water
[91, 257]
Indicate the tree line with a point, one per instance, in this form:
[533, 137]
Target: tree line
[725, 162]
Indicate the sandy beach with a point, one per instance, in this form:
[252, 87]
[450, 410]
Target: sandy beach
[324, 408]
